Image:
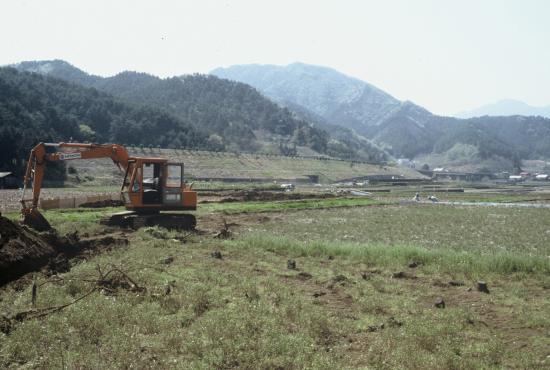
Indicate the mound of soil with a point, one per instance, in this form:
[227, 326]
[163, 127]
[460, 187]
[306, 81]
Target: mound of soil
[23, 249]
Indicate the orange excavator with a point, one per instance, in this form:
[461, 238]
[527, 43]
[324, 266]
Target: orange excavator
[150, 186]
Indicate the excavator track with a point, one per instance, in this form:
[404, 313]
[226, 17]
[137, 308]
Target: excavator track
[134, 220]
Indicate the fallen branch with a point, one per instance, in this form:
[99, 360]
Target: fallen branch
[36, 313]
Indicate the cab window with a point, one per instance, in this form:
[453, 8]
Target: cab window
[174, 176]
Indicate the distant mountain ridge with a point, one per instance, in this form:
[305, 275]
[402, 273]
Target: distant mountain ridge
[59, 69]
[322, 90]
[234, 115]
[507, 107]
[233, 110]
[402, 128]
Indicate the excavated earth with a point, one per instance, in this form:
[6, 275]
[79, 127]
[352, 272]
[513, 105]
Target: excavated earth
[23, 250]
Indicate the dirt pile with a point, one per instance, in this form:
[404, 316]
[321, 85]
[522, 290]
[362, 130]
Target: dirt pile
[23, 250]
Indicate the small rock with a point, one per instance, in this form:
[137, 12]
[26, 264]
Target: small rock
[291, 264]
[439, 303]
[216, 254]
[168, 260]
[482, 287]
[402, 275]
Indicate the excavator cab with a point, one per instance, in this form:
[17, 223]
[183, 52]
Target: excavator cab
[154, 184]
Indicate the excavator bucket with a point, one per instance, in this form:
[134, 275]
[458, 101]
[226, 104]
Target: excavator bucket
[35, 220]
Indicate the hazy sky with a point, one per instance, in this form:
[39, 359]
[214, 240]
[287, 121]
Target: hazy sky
[444, 55]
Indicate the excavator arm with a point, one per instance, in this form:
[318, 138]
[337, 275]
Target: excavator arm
[47, 152]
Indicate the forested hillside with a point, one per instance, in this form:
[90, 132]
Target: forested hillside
[36, 108]
[234, 115]
[230, 113]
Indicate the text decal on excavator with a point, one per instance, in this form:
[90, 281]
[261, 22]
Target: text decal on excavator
[67, 156]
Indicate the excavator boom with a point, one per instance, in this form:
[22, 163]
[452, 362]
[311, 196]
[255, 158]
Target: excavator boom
[47, 152]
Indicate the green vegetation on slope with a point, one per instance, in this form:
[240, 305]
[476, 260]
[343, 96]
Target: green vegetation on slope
[229, 113]
[34, 108]
[234, 115]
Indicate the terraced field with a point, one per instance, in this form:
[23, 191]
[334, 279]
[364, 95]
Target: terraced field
[202, 164]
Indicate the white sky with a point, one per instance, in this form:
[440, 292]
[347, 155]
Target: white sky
[444, 55]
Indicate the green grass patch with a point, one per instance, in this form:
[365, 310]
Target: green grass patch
[71, 219]
[476, 229]
[441, 260]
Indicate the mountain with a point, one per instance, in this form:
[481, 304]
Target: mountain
[317, 110]
[59, 69]
[402, 128]
[233, 114]
[338, 98]
[506, 107]
[35, 108]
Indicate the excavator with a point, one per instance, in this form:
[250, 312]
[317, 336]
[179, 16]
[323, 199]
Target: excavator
[151, 186]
